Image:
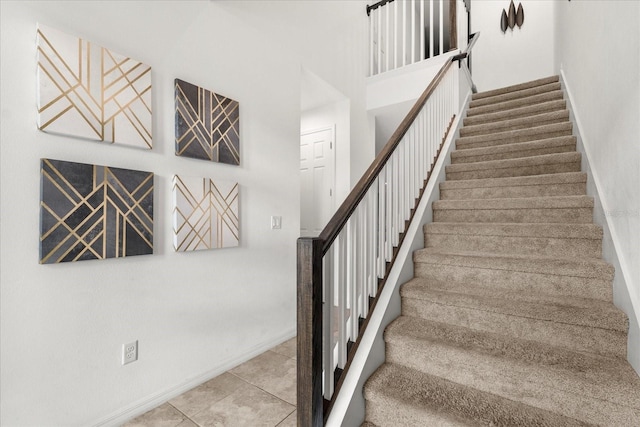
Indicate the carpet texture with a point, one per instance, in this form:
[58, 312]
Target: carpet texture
[509, 320]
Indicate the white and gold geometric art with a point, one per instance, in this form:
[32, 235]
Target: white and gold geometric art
[88, 91]
[205, 214]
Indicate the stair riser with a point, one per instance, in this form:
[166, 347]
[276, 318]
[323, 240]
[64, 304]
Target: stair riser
[520, 281]
[515, 103]
[578, 338]
[569, 215]
[579, 189]
[434, 359]
[526, 111]
[515, 88]
[567, 148]
[515, 95]
[534, 134]
[542, 169]
[488, 129]
[591, 248]
[499, 345]
[385, 415]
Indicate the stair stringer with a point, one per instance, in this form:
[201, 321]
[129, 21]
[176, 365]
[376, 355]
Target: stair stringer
[624, 296]
[349, 406]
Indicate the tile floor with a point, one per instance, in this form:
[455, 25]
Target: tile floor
[260, 392]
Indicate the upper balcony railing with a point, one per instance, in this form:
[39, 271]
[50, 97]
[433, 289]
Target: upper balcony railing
[403, 32]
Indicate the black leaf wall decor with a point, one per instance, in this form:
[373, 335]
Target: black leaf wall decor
[513, 18]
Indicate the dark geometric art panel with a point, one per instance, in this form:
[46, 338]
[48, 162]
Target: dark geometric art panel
[93, 212]
[207, 124]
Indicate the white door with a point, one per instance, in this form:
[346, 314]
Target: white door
[316, 180]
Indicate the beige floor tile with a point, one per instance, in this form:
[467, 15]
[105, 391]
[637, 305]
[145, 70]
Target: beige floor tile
[272, 372]
[287, 348]
[290, 421]
[206, 394]
[247, 406]
[163, 416]
[188, 423]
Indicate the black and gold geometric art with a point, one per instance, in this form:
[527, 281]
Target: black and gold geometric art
[93, 212]
[88, 91]
[207, 124]
[205, 214]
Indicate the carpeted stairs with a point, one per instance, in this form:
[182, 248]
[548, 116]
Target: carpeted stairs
[509, 320]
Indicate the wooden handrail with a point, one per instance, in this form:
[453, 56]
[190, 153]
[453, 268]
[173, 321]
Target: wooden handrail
[343, 213]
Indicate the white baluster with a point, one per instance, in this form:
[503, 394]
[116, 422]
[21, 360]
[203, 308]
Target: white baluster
[341, 243]
[431, 22]
[371, 34]
[396, 38]
[380, 52]
[422, 29]
[404, 33]
[413, 31]
[441, 8]
[386, 41]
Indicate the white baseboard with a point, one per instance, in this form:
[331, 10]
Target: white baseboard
[148, 403]
[625, 297]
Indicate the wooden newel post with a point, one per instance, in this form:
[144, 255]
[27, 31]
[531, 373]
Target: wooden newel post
[309, 312]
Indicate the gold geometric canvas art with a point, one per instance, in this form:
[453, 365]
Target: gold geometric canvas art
[94, 212]
[88, 91]
[205, 214]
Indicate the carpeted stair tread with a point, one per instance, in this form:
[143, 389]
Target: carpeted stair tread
[507, 346]
[516, 87]
[523, 93]
[522, 166]
[517, 150]
[424, 395]
[580, 324]
[515, 136]
[516, 123]
[517, 238]
[569, 209]
[525, 111]
[557, 184]
[588, 396]
[541, 98]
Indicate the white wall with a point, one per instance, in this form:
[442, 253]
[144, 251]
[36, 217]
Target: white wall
[330, 37]
[195, 314]
[598, 53]
[526, 53]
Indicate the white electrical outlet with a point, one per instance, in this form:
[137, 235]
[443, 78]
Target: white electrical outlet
[276, 222]
[129, 352]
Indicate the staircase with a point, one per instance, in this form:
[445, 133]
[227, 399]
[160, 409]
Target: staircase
[509, 320]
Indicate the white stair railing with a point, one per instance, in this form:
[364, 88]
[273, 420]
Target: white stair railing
[341, 272]
[403, 32]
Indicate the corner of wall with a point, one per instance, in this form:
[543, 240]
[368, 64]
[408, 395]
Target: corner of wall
[624, 296]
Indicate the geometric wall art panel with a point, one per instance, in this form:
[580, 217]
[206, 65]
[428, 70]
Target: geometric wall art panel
[207, 124]
[205, 214]
[88, 91]
[93, 212]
